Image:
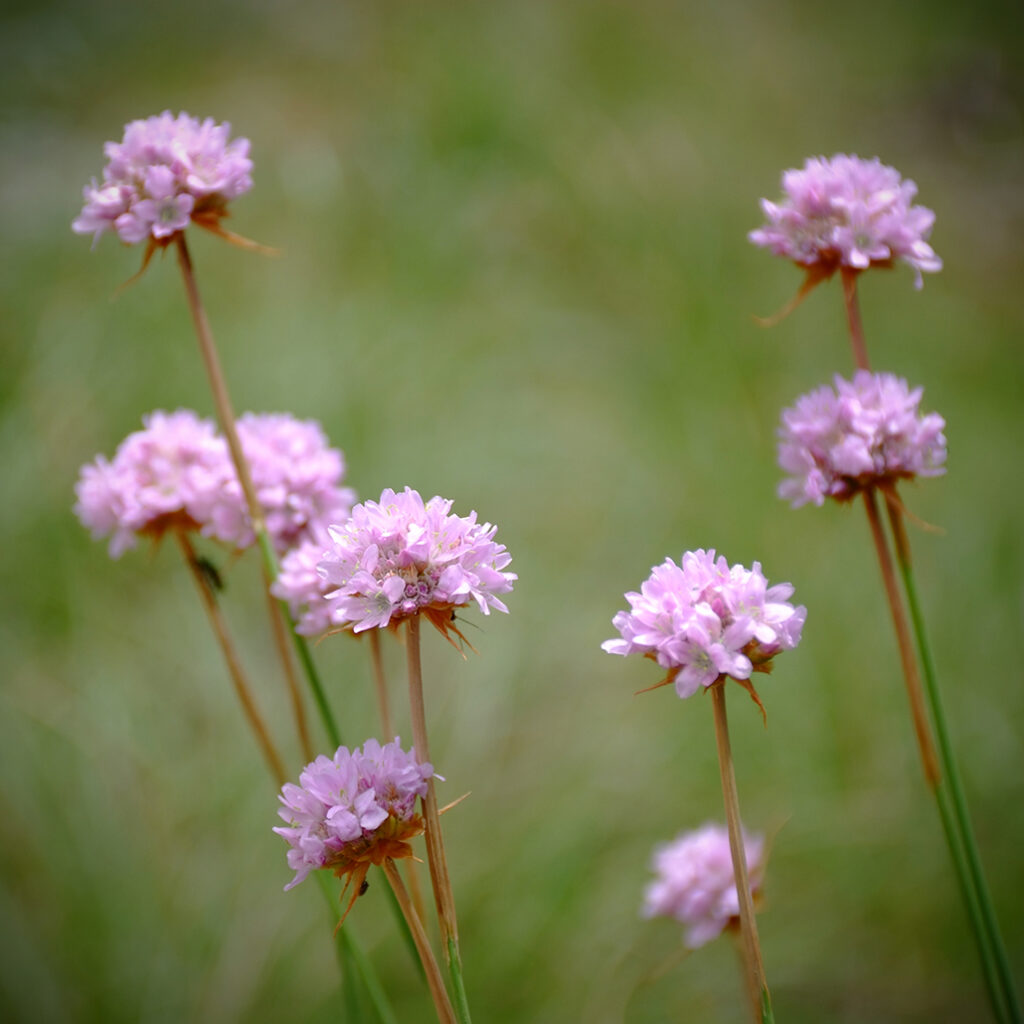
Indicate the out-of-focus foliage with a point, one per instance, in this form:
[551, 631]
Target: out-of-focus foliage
[514, 272]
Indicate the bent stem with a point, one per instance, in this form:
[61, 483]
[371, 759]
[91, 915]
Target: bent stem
[231, 659]
[982, 905]
[757, 986]
[445, 1013]
[436, 858]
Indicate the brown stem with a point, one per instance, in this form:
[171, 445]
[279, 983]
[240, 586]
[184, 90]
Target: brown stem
[435, 844]
[231, 658]
[380, 683]
[445, 1013]
[226, 418]
[911, 675]
[757, 987]
[860, 350]
[280, 631]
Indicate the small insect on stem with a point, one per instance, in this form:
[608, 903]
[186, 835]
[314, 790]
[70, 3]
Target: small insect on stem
[210, 573]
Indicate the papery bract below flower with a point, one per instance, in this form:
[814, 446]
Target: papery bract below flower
[297, 477]
[400, 557]
[352, 810]
[848, 212]
[705, 620]
[166, 475]
[166, 172]
[863, 433]
[695, 882]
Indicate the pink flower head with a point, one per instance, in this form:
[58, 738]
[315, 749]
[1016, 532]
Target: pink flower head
[166, 475]
[848, 212]
[164, 173]
[352, 810]
[301, 585]
[867, 432]
[706, 620]
[399, 557]
[297, 477]
[695, 882]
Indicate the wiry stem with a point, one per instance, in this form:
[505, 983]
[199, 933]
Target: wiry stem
[995, 961]
[860, 349]
[435, 982]
[911, 675]
[231, 658]
[757, 986]
[436, 857]
[381, 686]
[226, 418]
[280, 631]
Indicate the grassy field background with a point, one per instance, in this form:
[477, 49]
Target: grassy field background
[513, 272]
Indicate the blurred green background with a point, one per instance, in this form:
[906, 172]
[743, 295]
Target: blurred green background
[514, 272]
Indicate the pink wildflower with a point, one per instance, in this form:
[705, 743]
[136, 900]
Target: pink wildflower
[867, 432]
[399, 557]
[706, 620]
[166, 475]
[695, 882]
[352, 810]
[166, 172]
[301, 585]
[848, 212]
[297, 477]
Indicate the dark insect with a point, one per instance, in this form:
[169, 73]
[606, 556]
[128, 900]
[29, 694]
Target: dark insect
[364, 887]
[211, 575]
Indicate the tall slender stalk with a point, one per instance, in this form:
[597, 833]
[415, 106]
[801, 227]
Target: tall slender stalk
[860, 349]
[436, 857]
[985, 909]
[380, 685]
[757, 986]
[234, 664]
[445, 1013]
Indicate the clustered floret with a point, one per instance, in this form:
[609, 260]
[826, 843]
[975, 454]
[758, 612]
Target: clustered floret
[695, 883]
[399, 557]
[166, 172]
[706, 620]
[297, 476]
[353, 809]
[301, 585]
[863, 433]
[177, 473]
[848, 212]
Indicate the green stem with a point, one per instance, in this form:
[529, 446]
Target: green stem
[983, 898]
[458, 984]
[351, 955]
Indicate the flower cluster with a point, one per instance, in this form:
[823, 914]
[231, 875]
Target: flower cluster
[177, 472]
[848, 212]
[706, 619]
[301, 585]
[862, 433]
[400, 556]
[695, 882]
[352, 810]
[167, 475]
[297, 477]
[165, 172]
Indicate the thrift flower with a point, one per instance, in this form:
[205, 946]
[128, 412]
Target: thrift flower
[167, 475]
[301, 585]
[848, 212]
[297, 477]
[166, 172]
[352, 810]
[695, 883]
[706, 620]
[866, 432]
[400, 556]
